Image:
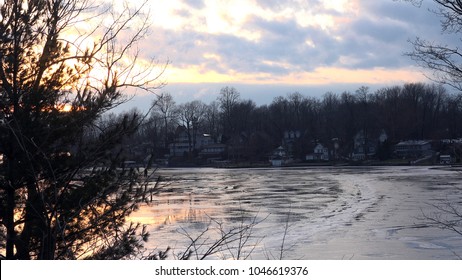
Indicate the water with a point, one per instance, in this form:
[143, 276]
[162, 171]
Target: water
[305, 213]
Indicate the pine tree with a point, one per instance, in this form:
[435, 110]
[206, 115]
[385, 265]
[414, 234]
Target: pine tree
[64, 191]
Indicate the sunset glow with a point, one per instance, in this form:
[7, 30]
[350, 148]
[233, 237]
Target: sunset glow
[295, 42]
[321, 76]
[66, 108]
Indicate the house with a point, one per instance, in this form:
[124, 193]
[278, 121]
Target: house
[213, 151]
[413, 148]
[181, 145]
[450, 147]
[445, 159]
[291, 137]
[279, 157]
[364, 146]
[320, 153]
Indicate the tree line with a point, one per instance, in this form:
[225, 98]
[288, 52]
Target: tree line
[413, 111]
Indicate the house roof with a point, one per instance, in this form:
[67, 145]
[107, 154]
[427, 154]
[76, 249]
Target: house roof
[413, 143]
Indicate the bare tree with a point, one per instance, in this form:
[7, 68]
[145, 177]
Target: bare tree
[446, 216]
[446, 64]
[237, 243]
[212, 120]
[443, 60]
[166, 107]
[191, 115]
[228, 99]
[63, 63]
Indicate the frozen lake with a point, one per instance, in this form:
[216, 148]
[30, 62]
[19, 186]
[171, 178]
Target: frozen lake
[313, 213]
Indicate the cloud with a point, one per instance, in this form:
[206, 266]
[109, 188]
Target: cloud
[273, 40]
[197, 4]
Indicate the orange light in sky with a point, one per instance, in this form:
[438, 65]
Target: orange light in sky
[319, 76]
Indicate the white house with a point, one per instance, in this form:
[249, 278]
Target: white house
[412, 148]
[279, 157]
[445, 159]
[320, 153]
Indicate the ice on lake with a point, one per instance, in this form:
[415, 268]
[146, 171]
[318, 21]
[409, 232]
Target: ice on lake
[311, 213]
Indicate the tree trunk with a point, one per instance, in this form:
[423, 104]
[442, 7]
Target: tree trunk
[9, 223]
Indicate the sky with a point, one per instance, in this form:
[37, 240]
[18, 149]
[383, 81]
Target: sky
[269, 48]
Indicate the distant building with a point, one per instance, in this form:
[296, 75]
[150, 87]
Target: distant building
[365, 145]
[413, 148]
[181, 145]
[212, 151]
[452, 148]
[279, 157]
[445, 159]
[291, 137]
[320, 153]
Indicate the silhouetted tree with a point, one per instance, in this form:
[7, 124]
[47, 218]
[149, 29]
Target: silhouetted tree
[452, 118]
[445, 61]
[330, 124]
[191, 116]
[165, 106]
[212, 123]
[442, 59]
[64, 191]
[228, 98]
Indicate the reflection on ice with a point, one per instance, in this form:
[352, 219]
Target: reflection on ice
[332, 213]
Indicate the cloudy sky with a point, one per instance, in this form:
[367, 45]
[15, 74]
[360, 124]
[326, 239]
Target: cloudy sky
[268, 48]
